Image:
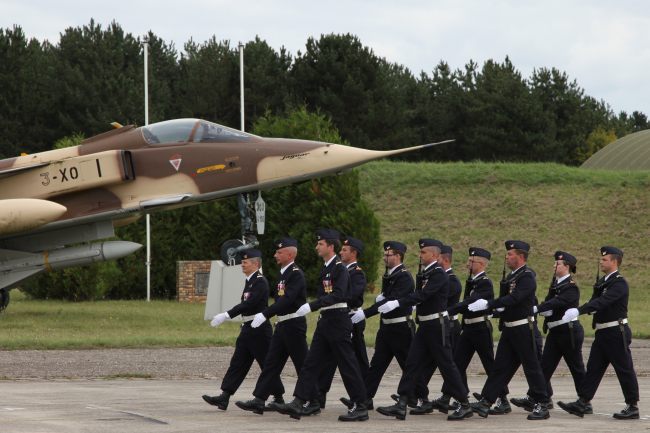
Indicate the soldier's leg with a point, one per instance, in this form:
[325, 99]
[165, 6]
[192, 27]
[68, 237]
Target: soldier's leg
[240, 363]
[339, 336]
[596, 366]
[573, 355]
[274, 363]
[623, 366]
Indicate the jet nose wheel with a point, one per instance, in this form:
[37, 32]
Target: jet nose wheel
[4, 298]
[229, 251]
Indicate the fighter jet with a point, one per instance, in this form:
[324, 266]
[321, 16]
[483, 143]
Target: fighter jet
[77, 195]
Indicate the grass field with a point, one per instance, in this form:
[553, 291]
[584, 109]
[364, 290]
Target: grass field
[464, 204]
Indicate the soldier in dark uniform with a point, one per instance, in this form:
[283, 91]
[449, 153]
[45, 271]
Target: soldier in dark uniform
[395, 328]
[612, 339]
[517, 343]
[455, 289]
[431, 342]
[332, 337]
[564, 339]
[476, 336]
[350, 252]
[290, 336]
[252, 343]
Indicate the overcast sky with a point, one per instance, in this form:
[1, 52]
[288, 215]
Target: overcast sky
[604, 45]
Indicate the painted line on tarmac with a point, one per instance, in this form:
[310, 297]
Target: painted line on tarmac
[135, 414]
[11, 409]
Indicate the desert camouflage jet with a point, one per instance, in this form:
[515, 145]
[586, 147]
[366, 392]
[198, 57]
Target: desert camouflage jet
[77, 195]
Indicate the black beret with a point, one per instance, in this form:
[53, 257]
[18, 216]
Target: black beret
[480, 252]
[430, 243]
[394, 245]
[329, 234]
[249, 254]
[568, 258]
[610, 250]
[354, 243]
[446, 249]
[285, 242]
[517, 245]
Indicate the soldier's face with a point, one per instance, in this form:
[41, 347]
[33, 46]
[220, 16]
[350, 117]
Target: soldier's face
[474, 266]
[282, 256]
[323, 250]
[608, 264]
[391, 259]
[560, 268]
[427, 256]
[248, 266]
[514, 260]
[346, 253]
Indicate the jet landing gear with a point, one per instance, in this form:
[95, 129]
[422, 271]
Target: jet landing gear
[251, 214]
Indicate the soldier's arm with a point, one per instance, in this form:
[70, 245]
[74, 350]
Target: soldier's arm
[403, 286]
[525, 288]
[259, 290]
[616, 291]
[357, 288]
[340, 284]
[436, 282]
[483, 290]
[294, 287]
[567, 298]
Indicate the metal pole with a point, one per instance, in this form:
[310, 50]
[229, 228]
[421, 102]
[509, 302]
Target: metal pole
[146, 122]
[241, 83]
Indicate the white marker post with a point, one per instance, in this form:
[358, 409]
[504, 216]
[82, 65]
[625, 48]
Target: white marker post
[145, 43]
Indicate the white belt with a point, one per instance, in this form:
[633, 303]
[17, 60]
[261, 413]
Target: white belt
[552, 325]
[332, 307]
[475, 320]
[286, 317]
[247, 318]
[516, 323]
[610, 324]
[394, 320]
[454, 317]
[432, 316]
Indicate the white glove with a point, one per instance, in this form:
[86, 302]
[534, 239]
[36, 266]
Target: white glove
[501, 309]
[380, 297]
[303, 310]
[219, 319]
[258, 320]
[358, 316]
[388, 306]
[570, 314]
[546, 313]
[478, 305]
[534, 309]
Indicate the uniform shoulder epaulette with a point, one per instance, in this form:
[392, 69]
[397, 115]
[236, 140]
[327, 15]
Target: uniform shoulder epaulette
[483, 277]
[403, 270]
[358, 268]
[295, 268]
[338, 263]
[260, 276]
[619, 276]
[572, 282]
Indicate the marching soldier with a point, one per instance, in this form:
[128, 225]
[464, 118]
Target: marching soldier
[290, 336]
[517, 343]
[612, 339]
[431, 344]
[332, 337]
[350, 252]
[395, 328]
[252, 343]
[564, 339]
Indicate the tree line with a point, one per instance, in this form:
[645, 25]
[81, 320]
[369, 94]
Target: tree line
[94, 75]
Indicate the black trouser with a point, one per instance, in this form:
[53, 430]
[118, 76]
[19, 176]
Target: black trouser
[289, 341]
[475, 338]
[515, 348]
[392, 341]
[332, 339]
[427, 373]
[429, 348]
[252, 344]
[359, 345]
[609, 347]
[558, 346]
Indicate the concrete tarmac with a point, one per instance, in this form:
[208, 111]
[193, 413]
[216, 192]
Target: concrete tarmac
[164, 405]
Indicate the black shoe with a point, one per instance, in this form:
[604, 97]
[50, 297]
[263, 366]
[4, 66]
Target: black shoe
[526, 403]
[358, 412]
[322, 399]
[348, 403]
[272, 406]
[423, 408]
[631, 411]
[550, 406]
[255, 405]
[482, 408]
[539, 412]
[295, 408]
[412, 401]
[398, 410]
[576, 408]
[477, 396]
[464, 410]
[221, 401]
[442, 403]
[589, 409]
[311, 408]
[501, 407]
